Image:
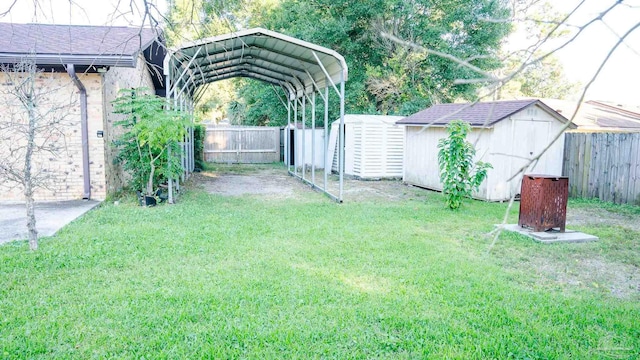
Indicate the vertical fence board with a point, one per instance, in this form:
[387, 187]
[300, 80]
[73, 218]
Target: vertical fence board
[604, 166]
[594, 169]
[579, 166]
[633, 192]
[588, 160]
[242, 144]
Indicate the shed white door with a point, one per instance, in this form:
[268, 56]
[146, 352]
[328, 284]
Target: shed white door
[529, 138]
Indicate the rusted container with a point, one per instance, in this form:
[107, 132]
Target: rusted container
[543, 202]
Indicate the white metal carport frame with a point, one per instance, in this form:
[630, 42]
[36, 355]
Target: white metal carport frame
[301, 69]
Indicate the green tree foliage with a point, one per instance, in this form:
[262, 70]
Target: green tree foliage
[459, 175]
[199, 134]
[150, 131]
[546, 79]
[533, 24]
[384, 76]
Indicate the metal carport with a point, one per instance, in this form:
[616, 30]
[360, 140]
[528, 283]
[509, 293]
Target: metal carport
[301, 69]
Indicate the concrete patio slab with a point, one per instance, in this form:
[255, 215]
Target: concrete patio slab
[50, 217]
[547, 237]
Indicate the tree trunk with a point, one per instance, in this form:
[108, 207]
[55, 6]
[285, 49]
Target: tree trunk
[150, 182]
[28, 181]
[31, 224]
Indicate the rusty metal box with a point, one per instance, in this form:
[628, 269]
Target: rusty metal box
[543, 202]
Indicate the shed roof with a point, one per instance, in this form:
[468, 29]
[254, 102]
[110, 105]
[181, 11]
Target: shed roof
[79, 45]
[298, 66]
[360, 118]
[482, 114]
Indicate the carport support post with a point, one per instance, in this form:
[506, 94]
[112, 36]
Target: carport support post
[327, 165]
[193, 134]
[191, 142]
[184, 138]
[313, 138]
[186, 143]
[187, 147]
[287, 136]
[167, 72]
[304, 135]
[295, 136]
[178, 108]
[193, 130]
[190, 137]
[341, 135]
[170, 189]
[175, 107]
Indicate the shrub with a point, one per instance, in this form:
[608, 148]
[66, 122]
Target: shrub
[458, 173]
[199, 132]
[150, 131]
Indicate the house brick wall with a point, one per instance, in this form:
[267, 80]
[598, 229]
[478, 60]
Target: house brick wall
[114, 80]
[64, 180]
[64, 169]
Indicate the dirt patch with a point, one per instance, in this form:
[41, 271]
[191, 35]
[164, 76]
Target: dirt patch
[598, 217]
[376, 190]
[606, 266]
[617, 279]
[275, 182]
[272, 183]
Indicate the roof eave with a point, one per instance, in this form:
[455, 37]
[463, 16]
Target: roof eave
[128, 61]
[488, 126]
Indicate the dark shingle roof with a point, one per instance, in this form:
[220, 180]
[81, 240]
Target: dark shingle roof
[59, 44]
[479, 114]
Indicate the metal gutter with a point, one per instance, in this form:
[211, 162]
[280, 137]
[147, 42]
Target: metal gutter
[60, 59]
[84, 130]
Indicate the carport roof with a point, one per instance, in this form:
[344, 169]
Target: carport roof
[298, 66]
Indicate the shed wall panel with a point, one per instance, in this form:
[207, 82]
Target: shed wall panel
[421, 156]
[311, 156]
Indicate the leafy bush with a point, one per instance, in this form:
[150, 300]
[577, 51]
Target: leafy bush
[199, 132]
[458, 173]
[150, 131]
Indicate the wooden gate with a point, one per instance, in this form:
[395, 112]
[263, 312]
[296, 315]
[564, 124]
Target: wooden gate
[242, 144]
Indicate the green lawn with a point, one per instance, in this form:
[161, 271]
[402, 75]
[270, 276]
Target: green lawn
[244, 277]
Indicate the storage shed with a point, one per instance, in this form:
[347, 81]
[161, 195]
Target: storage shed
[307, 142]
[374, 146]
[505, 133]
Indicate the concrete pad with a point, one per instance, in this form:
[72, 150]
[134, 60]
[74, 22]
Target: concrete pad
[552, 236]
[50, 217]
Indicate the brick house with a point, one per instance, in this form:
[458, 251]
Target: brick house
[84, 66]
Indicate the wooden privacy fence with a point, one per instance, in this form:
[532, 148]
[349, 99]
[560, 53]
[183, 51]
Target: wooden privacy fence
[604, 166]
[242, 144]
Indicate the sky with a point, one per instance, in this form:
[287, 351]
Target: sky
[78, 12]
[619, 80]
